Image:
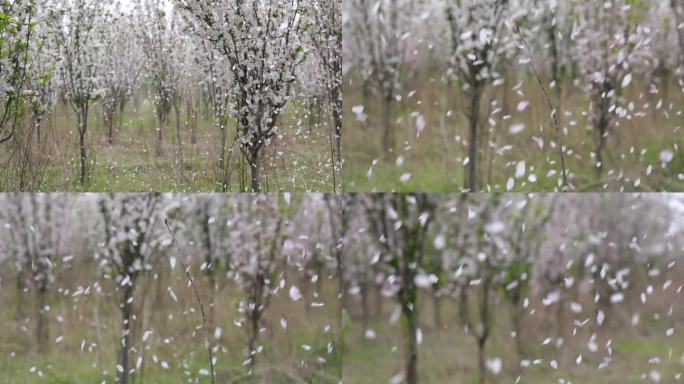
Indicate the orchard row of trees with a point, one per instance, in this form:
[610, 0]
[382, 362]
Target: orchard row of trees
[268, 247]
[490, 255]
[242, 61]
[494, 256]
[596, 47]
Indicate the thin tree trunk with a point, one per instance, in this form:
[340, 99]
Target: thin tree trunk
[600, 147]
[190, 110]
[212, 302]
[222, 160]
[109, 120]
[481, 360]
[126, 315]
[437, 309]
[411, 346]
[517, 327]
[254, 168]
[122, 106]
[39, 120]
[473, 120]
[378, 300]
[485, 328]
[252, 344]
[364, 307]
[311, 115]
[20, 300]
[159, 133]
[387, 135]
[41, 323]
[82, 127]
[178, 133]
[337, 121]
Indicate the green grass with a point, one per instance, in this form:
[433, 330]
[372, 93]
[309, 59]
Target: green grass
[448, 354]
[177, 338]
[294, 160]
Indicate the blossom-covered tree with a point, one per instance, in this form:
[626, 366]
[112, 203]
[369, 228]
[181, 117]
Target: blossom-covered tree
[133, 238]
[263, 44]
[75, 27]
[477, 31]
[400, 223]
[16, 29]
[378, 32]
[34, 235]
[120, 69]
[609, 42]
[161, 44]
[256, 233]
[326, 37]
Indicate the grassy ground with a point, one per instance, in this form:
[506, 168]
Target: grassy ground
[295, 160]
[449, 355]
[435, 159]
[89, 326]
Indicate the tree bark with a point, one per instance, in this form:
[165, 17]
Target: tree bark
[364, 307]
[473, 120]
[387, 135]
[337, 121]
[222, 158]
[254, 168]
[176, 107]
[311, 114]
[160, 116]
[252, 343]
[484, 331]
[481, 360]
[437, 309]
[82, 129]
[39, 120]
[41, 324]
[517, 327]
[126, 315]
[21, 284]
[378, 300]
[191, 119]
[411, 345]
[109, 119]
[600, 147]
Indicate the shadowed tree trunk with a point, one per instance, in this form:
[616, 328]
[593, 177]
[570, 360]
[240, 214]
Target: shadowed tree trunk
[42, 331]
[126, 316]
[39, 122]
[254, 169]
[378, 300]
[517, 328]
[602, 133]
[473, 140]
[410, 314]
[223, 166]
[21, 284]
[337, 121]
[364, 307]
[176, 108]
[122, 107]
[387, 133]
[109, 121]
[311, 114]
[82, 118]
[484, 331]
[437, 309]
[481, 330]
[254, 319]
[191, 119]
